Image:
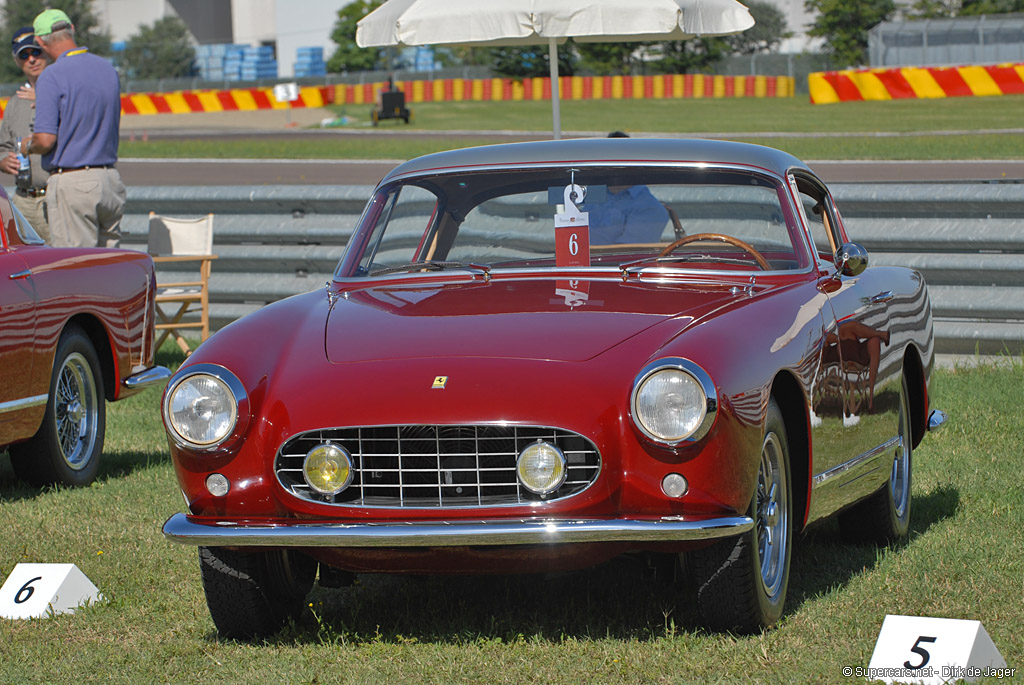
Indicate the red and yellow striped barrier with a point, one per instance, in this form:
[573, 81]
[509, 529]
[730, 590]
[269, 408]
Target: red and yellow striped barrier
[234, 100]
[915, 82]
[668, 86]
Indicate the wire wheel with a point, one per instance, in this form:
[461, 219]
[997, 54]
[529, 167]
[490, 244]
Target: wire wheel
[76, 411]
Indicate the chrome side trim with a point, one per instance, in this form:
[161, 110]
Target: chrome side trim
[24, 403]
[214, 533]
[937, 420]
[856, 462]
[146, 378]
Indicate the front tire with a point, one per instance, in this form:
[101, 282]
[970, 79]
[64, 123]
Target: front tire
[66, 449]
[251, 595]
[884, 517]
[742, 582]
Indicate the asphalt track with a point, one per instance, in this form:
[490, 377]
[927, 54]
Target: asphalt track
[294, 124]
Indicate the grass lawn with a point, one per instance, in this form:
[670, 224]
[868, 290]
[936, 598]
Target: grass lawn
[963, 560]
[952, 128]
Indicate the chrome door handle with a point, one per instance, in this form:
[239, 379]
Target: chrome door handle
[882, 297]
[21, 274]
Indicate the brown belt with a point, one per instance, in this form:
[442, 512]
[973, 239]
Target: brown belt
[31, 192]
[65, 169]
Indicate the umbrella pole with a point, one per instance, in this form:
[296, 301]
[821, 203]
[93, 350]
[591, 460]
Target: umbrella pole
[556, 113]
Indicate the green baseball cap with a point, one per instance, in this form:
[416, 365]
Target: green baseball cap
[49, 21]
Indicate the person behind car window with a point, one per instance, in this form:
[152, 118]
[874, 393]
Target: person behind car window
[30, 181]
[630, 214]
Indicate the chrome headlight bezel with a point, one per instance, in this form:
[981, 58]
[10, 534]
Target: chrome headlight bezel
[704, 382]
[238, 394]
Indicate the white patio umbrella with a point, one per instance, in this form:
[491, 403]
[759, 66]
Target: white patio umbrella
[532, 22]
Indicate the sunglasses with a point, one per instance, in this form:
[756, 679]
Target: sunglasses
[29, 52]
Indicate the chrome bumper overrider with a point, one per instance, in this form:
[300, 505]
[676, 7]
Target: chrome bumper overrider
[147, 377]
[451, 533]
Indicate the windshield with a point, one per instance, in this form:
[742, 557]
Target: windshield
[580, 217]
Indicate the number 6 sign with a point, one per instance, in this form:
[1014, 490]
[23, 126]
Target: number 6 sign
[572, 230]
[38, 590]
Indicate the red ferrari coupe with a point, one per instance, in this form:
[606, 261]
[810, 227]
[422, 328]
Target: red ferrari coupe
[535, 357]
[76, 330]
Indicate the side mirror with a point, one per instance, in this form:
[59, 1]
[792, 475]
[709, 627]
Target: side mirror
[851, 259]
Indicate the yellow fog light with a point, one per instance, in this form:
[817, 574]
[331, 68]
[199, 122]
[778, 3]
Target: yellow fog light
[541, 468]
[327, 469]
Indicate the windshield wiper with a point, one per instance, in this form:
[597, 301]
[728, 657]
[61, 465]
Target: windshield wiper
[433, 266]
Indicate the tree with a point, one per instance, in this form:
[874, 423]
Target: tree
[975, 7]
[688, 56]
[530, 60]
[768, 31]
[163, 50]
[606, 59]
[349, 56]
[937, 9]
[18, 13]
[844, 24]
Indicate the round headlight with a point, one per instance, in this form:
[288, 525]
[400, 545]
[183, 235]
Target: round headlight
[327, 469]
[541, 468]
[202, 410]
[670, 404]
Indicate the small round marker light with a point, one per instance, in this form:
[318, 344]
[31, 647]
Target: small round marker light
[541, 468]
[217, 484]
[674, 485]
[327, 469]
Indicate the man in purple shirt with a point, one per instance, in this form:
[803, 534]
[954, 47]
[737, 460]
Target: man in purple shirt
[78, 113]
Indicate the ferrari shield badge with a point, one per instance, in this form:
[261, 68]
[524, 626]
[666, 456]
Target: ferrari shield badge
[439, 383]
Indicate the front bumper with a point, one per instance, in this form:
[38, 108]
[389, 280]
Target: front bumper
[214, 533]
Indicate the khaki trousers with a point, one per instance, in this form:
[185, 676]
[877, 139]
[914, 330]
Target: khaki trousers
[85, 207]
[34, 209]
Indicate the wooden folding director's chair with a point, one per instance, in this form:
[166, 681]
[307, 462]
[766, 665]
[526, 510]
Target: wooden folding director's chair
[178, 242]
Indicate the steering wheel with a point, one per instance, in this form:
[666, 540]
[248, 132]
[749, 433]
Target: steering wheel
[721, 237]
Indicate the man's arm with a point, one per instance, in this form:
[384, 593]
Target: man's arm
[8, 143]
[38, 143]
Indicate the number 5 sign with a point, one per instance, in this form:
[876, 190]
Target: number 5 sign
[919, 649]
[38, 590]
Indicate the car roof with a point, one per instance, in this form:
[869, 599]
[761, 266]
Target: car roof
[617, 150]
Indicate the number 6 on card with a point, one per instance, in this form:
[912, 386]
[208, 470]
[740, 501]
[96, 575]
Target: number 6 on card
[39, 590]
[572, 230]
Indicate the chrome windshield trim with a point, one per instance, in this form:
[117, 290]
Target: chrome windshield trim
[557, 166]
[937, 420]
[24, 403]
[146, 378]
[856, 462]
[650, 274]
[214, 533]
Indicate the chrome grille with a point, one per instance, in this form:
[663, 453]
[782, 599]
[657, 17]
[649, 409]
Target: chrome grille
[437, 466]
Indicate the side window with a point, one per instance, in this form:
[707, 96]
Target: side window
[819, 217]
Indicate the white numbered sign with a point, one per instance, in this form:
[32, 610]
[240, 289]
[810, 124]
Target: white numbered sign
[286, 92]
[39, 590]
[572, 230]
[920, 649]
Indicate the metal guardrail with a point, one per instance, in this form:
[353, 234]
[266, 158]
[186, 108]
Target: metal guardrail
[967, 239]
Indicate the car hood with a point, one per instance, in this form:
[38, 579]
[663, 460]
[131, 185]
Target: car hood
[508, 319]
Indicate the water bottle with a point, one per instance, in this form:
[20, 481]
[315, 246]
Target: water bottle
[24, 177]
